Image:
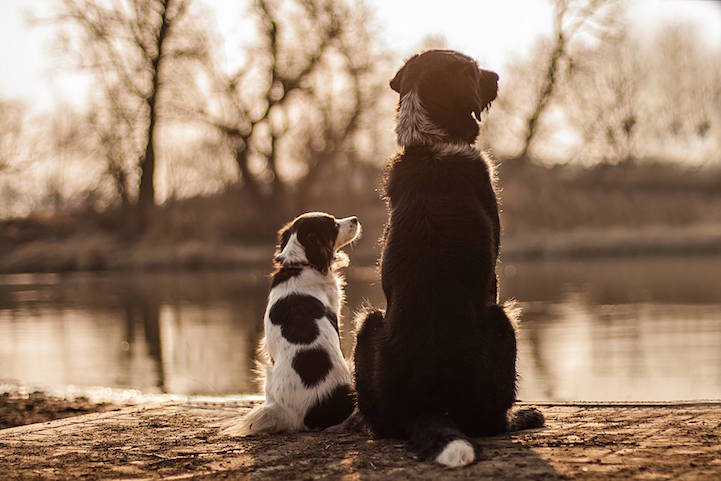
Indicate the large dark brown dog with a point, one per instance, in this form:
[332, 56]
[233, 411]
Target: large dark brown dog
[440, 365]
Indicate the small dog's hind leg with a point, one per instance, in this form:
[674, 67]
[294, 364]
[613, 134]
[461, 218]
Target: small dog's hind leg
[353, 424]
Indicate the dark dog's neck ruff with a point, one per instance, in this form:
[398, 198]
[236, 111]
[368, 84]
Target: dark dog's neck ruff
[444, 150]
[414, 128]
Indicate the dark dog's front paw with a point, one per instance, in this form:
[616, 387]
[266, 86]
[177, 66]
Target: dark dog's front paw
[526, 418]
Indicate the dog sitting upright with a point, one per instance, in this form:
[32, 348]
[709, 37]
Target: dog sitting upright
[439, 366]
[307, 380]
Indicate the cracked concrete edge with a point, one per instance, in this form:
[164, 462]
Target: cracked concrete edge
[233, 405]
[625, 404]
[85, 418]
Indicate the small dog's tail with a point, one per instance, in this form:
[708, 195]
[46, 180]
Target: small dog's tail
[439, 439]
[267, 418]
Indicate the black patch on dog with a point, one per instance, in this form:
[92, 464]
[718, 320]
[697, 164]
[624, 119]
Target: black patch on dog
[283, 274]
[331, 411]
[312, 365]
[296, 315]
[317, 233]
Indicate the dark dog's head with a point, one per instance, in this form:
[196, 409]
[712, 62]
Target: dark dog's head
[314, 239]
[440, 91]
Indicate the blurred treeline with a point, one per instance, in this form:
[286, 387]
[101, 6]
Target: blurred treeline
[187, 155]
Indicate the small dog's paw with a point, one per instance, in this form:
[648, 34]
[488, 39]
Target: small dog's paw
[236, 430]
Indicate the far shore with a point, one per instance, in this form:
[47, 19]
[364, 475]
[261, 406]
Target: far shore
[104, 253]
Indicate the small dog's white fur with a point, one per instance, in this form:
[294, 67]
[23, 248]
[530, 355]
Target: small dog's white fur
[286, 398]
[293, 253]
[457, 453]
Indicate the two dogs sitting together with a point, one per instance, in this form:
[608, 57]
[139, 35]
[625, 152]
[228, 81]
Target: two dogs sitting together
[438, 367]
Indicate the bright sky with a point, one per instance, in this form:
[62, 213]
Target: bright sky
[491, 31]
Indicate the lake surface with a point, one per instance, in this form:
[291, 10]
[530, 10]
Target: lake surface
[602, 329]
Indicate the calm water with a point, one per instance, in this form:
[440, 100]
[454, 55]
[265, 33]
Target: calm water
[608, 329]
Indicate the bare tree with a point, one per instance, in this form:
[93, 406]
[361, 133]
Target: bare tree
[12, 133]
[279, 67]
[133, 46]
[572, 18]
[300, 102]
[14, 154]
[344, 121]
[683, 85]
[113, 140]
[604, 99]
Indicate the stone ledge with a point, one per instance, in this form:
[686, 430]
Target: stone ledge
[180, 440]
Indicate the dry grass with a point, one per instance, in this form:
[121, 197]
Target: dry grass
[632, 209]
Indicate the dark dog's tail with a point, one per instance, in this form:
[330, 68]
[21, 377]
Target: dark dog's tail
[439, 439]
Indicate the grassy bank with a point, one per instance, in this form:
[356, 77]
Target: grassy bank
[630, 209]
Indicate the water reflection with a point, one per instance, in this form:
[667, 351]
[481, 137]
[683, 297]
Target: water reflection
[603, 329]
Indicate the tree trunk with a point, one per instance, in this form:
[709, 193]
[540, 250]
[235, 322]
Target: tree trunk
[146, 192]
[249, 181]
[545, 96]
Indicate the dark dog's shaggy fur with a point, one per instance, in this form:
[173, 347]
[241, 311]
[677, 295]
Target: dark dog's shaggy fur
[439, 366]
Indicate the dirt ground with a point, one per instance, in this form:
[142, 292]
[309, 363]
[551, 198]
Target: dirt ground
[18, 408]
[182, 440]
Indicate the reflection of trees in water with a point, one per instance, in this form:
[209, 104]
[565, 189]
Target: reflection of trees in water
[143, 310]
[151, 323]
[197, 332]
[200, 330]
[539, 320]
[617, 334]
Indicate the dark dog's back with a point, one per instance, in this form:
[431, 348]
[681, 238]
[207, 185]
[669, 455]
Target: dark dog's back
[443, 226]
[438, 276]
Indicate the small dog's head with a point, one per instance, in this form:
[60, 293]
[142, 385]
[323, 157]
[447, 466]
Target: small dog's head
[440, 91]
[314, 239]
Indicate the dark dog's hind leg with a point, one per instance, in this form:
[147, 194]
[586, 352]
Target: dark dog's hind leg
[368, 324]
[500, 325]
[488, 412]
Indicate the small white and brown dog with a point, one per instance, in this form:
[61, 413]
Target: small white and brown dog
[307, 381]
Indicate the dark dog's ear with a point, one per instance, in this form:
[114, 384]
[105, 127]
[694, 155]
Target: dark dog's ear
[319, 252]
[396, 82]
[487, 91]
[405, 76]
[283, 237]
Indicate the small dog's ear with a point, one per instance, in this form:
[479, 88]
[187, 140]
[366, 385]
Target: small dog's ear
[319, 252]
[396, 82]
[283, 237]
